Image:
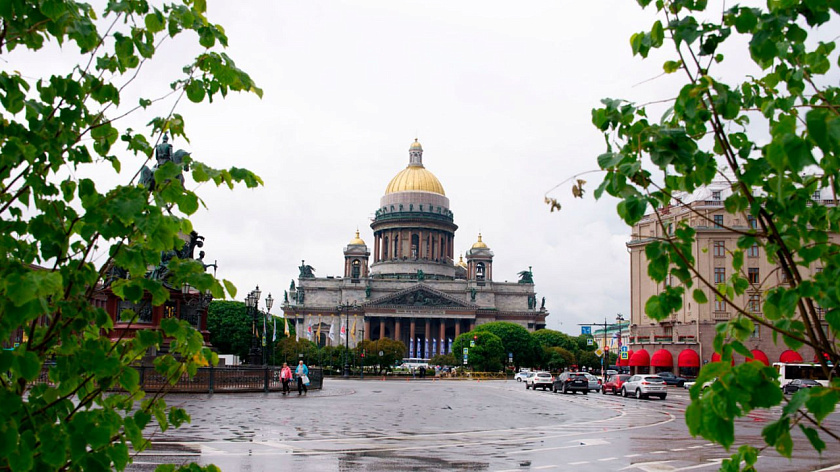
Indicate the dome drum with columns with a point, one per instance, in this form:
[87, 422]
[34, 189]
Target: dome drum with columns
[413, 290]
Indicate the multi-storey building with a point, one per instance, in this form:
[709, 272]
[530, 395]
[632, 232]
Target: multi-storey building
[683, 342]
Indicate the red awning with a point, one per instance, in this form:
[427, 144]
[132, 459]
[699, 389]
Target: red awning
[688, 358]
[662, 358]
[640, 358]
[626, 362]
[758, 355]
[716, 358]
[790, 356]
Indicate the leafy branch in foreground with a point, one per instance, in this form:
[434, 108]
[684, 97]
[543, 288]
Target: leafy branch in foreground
[716, 128]
[54, 224]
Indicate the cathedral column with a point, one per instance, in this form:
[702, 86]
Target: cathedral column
[442, 333]
[457, 327]
[367, 329]
[421, 250]
[381, 328]
[428, 340]
[397, 323]
[411, 334]
[376, 248]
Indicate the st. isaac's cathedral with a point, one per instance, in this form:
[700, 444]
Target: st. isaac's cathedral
[413, 290]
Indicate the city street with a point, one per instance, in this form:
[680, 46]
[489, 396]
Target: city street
[453, 425]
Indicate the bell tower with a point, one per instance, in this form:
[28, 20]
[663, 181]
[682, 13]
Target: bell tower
[480, 262]
[356, 256]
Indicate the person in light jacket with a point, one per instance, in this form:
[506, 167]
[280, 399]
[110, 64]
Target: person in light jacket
[285, 377]
[301, 372]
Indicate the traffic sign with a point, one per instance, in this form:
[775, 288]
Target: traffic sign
[588, 342]
[625, 348]
[472, 343]
[599, 352]
[625, 355]
[586, 330]
[466, 350]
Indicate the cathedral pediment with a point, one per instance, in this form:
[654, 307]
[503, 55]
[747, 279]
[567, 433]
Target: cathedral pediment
[419, 296]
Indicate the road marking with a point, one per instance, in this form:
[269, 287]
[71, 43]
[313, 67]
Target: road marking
[833, 467]
[577, 443]
[659, 452]
[607, 459]
[632, 455]
[700, 466]
[543, 467]
[579, 463]
[678, 449]
[695, 447]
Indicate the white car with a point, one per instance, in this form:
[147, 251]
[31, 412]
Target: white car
[543, 380]
[520, 376]
[644, 386]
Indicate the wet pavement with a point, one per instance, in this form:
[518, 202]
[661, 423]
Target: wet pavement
[451, 425]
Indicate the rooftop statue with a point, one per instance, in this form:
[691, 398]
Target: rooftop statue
[526, 276]
[163, 154]
[306, 271]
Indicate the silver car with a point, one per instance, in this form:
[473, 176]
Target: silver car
[644, 386]
[594, 382]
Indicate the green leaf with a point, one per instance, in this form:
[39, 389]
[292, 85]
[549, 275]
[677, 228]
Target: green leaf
[814, 437]
[821, 402]
[195, 90]
[700, 296]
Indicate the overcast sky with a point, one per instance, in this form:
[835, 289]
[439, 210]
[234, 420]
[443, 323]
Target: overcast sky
[498, 93]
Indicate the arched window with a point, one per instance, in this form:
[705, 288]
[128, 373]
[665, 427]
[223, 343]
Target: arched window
[385, 249]
[396, 246]
[415, 246]
[357, 269]
[479, 271]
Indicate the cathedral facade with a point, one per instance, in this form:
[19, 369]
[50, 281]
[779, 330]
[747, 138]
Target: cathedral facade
[407, 286]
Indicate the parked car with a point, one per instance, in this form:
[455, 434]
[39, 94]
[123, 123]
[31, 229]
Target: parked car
[520, 376]
[796, 384]
[644, 386]
[672, 379]
[571, 382]
[690, 383]
[541, 380]
[614, 383]
[594, 382]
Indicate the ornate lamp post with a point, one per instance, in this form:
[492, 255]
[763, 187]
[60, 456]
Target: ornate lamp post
[346, 307]
[268, 302]
[252, 302]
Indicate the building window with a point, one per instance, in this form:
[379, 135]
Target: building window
[357, 269]
[479, 271]
[784, 276]
[719, 248]
[720, 275]
[716, 195]
[752, 275]
[816, 195]
[752, 222]
[718, 221]
[755, 303]
[720, 305]
[756, 331]
[752, 251]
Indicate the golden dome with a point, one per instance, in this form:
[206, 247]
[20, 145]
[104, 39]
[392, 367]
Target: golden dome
[479, 244]
[415, 179]
[461, 262]
[357, 241]
[416, 145]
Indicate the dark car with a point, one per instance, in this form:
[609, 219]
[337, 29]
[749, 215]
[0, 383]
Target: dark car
[571, 382]
[672, 379]
[794, 385]
[614, 383]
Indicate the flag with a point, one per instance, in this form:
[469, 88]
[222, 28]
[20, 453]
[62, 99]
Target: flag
[417, 348]
[274, 338]
[318, 332]
[332, 329]
[286, 328]
[309, 331]
[426, 351]
[411, 348]
[449, 346]
[343, 331]
[353, 331]
[434, 347]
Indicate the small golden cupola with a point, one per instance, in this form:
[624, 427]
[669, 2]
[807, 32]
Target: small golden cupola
[357, 241]
[461, 262]
[479, 244]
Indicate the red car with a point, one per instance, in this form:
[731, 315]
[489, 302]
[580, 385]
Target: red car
[614, 383]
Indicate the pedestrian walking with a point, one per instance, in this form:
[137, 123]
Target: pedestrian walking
[302, 374]
[285, 377]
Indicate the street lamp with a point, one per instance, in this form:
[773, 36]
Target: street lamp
[619, 318]
[252, 302]
[268, 302]
[346, 307]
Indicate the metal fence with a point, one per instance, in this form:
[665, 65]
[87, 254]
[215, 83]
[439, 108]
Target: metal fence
[220, 380]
